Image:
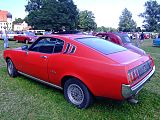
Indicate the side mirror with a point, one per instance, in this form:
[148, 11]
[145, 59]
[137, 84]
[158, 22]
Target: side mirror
[24, 47]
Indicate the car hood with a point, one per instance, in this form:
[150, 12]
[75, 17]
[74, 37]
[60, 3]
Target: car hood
[133, 48]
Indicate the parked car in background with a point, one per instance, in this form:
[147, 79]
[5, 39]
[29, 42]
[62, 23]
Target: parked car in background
[26, 37]
[121, 39]
[156, 42]
[10, 35]
[146, 36]
[47, 32]
[82, 66]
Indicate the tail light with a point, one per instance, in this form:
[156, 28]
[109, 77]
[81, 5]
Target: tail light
[133, 75]
[151, 60]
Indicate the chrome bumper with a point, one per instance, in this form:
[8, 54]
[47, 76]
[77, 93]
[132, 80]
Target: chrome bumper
[128, 91]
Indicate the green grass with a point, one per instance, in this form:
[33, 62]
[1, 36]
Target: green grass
[22, 98]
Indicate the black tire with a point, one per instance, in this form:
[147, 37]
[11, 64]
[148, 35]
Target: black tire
[11, 68]
[76, 93]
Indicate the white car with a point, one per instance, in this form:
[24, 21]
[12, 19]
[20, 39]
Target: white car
[11, 35]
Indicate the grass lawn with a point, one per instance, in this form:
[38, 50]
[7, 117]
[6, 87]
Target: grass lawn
[22, 98]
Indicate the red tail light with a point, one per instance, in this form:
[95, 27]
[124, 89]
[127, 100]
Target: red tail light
[133, 75]
[151, 60]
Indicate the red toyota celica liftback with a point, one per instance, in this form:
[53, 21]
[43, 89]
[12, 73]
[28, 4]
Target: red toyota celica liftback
[83, 66]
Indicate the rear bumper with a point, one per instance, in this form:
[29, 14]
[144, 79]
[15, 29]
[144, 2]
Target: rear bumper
[128, 91]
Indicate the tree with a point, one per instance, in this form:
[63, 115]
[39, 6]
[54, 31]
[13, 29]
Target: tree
[126, 23]
[87, 20]
[105, 29]
[18, 20]
[151, 16]
[34, 5]
[52, 14]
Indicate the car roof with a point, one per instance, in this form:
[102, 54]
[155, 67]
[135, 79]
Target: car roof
[113, 33]
[120, 34]
[69, 36]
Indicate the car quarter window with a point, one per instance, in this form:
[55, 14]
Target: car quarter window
[48, 45]
[58, 46]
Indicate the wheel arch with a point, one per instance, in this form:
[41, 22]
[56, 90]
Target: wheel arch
[67, 77]
[7, 58]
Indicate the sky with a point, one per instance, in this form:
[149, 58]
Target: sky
[106, 12]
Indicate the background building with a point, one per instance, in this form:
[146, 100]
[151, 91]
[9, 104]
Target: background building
[5, 20]
[21, 26]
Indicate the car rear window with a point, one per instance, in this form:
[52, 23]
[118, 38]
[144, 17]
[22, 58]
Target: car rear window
[126, 39]
[101, 45]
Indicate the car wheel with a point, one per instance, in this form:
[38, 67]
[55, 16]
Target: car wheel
[11, 68]
[77, 93]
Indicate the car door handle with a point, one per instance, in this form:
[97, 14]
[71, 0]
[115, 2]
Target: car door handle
[44, 57]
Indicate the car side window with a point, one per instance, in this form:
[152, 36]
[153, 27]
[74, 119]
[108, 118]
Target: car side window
[58, 46]
[48, 45]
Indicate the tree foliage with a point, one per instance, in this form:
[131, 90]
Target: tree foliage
[52, 14]
[126, 23]
[87, 20]
[151, 16]
[18, 20]
[105, 29]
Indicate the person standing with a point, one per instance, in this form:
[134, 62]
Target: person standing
[142, 37]
[137, 39]
[4, 37]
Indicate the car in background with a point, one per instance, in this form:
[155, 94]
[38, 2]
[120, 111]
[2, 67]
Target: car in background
[82, 66]
[26, 37]
[146, 36]
[47, 32]
[10, 35]
[156, 42]
[121, 39]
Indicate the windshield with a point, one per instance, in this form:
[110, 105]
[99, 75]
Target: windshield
[101, 45]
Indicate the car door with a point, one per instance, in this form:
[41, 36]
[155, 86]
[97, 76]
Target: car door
[36, 59]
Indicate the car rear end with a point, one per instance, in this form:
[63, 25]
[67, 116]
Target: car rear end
[137, 77]
[138, 71]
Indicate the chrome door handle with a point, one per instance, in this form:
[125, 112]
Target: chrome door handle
[44, 57]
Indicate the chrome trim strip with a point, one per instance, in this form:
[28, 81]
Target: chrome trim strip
[41, 81]
[144, 80]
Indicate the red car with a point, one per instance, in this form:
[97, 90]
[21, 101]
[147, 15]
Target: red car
[146, 36]
[26, 37]
[121, 39]
[82, 66]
